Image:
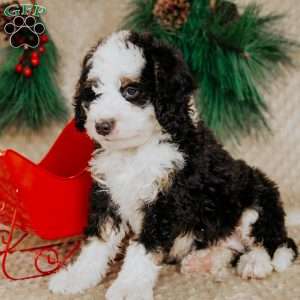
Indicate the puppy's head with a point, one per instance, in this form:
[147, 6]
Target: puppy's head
[132, 87]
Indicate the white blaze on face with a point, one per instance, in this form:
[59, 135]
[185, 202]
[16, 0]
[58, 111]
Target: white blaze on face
[114, 59]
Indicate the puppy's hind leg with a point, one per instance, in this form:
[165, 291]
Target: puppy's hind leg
[271, 248]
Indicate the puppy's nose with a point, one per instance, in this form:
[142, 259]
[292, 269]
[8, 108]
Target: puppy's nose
[105, 127]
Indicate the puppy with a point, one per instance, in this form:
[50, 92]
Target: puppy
[163, 175]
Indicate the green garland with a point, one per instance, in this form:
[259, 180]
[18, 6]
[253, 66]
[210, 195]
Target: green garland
[30, 103]
[233, 57]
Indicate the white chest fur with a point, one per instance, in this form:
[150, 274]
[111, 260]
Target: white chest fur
[134, 177]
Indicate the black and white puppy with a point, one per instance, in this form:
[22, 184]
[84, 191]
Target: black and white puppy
[163, 175]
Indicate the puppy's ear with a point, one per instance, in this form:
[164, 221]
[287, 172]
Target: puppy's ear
[172, 75]
[174, 86]
[80, 95]
[84, 93]
[173, 78]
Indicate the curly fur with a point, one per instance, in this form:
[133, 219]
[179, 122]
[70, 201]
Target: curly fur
[207, 190]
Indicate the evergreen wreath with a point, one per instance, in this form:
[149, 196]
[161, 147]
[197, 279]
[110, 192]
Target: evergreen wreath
[29, 95]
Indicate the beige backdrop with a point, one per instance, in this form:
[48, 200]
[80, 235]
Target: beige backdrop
[75, 26]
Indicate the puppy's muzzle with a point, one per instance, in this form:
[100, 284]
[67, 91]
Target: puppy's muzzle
[105, 127]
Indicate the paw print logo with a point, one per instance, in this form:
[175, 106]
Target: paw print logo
[24, 32]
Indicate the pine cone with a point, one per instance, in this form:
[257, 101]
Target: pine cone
[171, 14]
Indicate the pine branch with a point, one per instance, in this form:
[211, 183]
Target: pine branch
[233, 55]
[30, 102]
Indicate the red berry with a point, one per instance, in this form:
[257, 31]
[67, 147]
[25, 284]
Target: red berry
[34, 55]
[27, 72]
[19, 68]
[44, 38]
[21, 59]
[42, 49]
[35, 61]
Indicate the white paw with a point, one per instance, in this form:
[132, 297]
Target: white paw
[255, 264]
[129, 291]
[283, 258]
[66, 282]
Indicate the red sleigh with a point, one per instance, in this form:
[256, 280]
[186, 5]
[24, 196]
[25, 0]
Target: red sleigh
[49, 199]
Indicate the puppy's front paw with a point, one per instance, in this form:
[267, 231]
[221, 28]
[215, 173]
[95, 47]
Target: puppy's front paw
[129, 291]
[66, 282]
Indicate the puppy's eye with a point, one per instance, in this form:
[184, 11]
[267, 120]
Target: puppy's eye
[130, 92]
